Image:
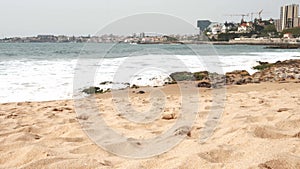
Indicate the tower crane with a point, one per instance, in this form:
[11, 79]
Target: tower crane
[259, 14]
[242, 15]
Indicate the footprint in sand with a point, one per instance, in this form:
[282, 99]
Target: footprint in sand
[288, 124]
[281, 164]
[216, 155]
[269, 133]
[72, 139]
[25, 137]
[85, 149]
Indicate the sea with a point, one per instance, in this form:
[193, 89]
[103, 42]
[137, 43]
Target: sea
[56, 71]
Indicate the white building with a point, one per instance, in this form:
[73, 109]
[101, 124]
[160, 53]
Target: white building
[289, 16]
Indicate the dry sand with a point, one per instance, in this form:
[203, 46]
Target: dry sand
[260, 128]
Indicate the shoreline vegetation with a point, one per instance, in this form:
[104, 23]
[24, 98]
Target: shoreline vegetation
[281, 71]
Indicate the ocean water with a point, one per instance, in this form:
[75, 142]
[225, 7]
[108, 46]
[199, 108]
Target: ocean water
[48, 71]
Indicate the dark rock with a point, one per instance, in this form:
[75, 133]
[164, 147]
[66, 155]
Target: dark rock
[182, 76]
[262, 66]
[282, 110]
[134, 86]
[240, 82]
[242, 73]
[263, 63]
[141, 92]
[238, 77]
[92, 90]
[169, 116]
[106, 83]
[279, 71]
[217, 80]
[57, 109]
[171, 82]
[204, 84]
[203, 75]
[95, 90]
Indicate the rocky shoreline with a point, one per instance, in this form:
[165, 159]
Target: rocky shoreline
[288, 70]
[281, 71]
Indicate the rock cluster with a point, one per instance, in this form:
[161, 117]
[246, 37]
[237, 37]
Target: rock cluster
[238, 77]
[279, 71]
[268, 72]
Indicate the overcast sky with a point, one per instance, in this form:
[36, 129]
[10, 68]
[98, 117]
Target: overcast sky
[83, 17]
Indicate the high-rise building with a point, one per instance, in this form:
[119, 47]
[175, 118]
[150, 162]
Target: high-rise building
[289, 16]
[278, 25]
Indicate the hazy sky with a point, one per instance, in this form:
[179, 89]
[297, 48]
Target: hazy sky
[74, 17]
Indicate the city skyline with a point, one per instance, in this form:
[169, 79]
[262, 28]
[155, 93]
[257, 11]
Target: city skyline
[30, 18]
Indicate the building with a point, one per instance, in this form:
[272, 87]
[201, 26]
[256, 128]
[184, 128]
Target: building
[216, 29]
[288, 36]
[278, 25]
[289, 16]
[245, 27]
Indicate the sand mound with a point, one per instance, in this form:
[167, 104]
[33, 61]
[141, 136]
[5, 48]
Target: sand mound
[268, 132]
[281, 163]
[216, 155]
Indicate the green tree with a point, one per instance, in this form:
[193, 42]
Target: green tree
[294, 31]
[269, 30]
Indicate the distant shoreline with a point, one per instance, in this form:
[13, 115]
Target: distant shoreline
[297, 44]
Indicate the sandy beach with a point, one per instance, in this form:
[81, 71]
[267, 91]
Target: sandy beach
[259, 128]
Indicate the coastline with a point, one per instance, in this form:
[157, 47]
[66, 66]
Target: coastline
[258, 128]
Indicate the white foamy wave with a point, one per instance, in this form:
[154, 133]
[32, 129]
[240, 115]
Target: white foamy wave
[43, 80]
[247, 61]
[28, 80]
